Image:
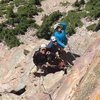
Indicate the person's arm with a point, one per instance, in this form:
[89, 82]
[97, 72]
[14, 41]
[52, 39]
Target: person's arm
[60, 43]
[64, 25]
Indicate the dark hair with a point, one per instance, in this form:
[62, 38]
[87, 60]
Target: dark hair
[59, 27]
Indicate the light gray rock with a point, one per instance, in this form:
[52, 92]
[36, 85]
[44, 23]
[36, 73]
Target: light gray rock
[27, 66]
[7, 66]
[8, 96]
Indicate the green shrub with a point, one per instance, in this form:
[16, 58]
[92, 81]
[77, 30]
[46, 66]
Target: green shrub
[97, 27]
[1, 27]
[27, 11]
[40, 10]
[82, 2]
[3, 9]
[5, 1]
[10, 39]
[93, 7]
[35, 25]
[73, 19]
[79, 3]
[76, 4]
[21, 28]
[35, 2]
[94, 27]
[12, 21]
[91, 27]
[44, 30]
[94, 14]
[30, 2]
[19, 21]
[19, 2]
[10, 13]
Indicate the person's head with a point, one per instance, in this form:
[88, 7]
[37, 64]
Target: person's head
[57, 27]
[54, 40]
[43, 48]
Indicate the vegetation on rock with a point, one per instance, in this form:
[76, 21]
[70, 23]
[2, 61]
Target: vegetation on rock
[94, 27]
[73, 20]
[93, 7]
[79, 3]
[91, 27]
[19, 15]
[45, 31]
[17, 22]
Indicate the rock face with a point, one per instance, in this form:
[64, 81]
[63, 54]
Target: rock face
[83, 83]
[17, 80]
[90, 86]
[79, 42]
[16, 67]
[50, 6]
[15, 57]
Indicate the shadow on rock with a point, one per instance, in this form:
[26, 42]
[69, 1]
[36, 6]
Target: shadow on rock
[46, 71]
[68, 57]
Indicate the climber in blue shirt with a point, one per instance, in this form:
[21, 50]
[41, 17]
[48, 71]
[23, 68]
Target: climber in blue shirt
[60, 33]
